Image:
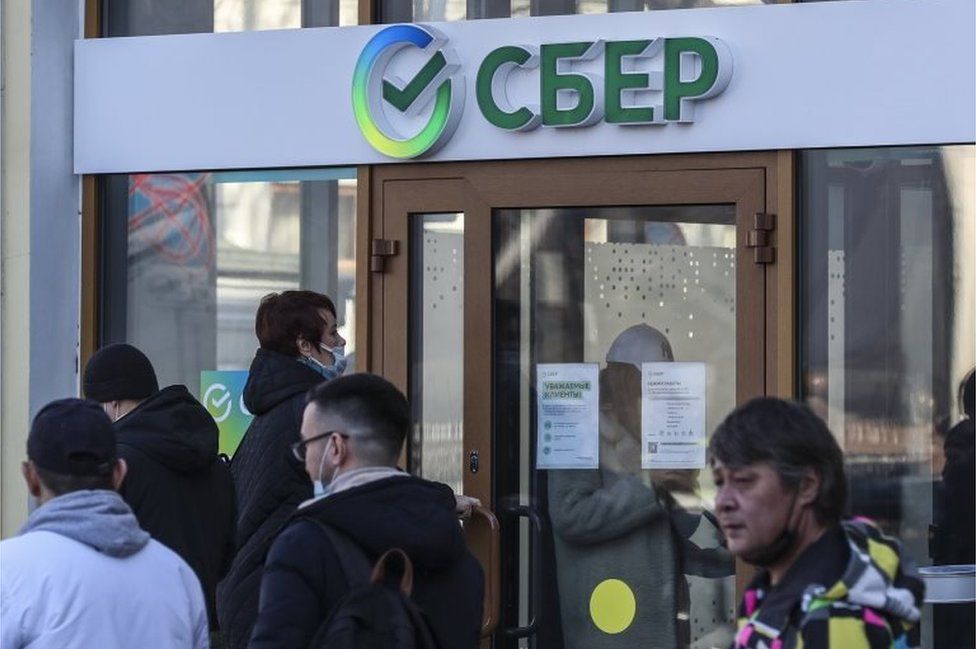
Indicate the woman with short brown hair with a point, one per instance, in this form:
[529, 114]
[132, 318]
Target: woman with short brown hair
[300, 347]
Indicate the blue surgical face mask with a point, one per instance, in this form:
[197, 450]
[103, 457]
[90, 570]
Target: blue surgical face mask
[328, 372]
[338, 356]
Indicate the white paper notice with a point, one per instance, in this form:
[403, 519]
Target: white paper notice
[673, 415]
[568, 416]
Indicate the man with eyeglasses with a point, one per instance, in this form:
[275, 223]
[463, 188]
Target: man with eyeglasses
[353, 429]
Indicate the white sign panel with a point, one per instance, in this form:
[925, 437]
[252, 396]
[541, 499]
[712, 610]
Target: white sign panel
[568, 416]
[673, 415]
[718, 79]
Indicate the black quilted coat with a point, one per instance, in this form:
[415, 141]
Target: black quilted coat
[270, 483]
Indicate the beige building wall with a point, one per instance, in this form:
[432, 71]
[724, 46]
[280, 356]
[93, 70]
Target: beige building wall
[15, 30]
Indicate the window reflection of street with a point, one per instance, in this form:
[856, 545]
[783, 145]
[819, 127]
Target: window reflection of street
[888, 297]
[201, 249]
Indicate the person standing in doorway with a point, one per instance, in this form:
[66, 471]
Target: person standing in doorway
[300, 347]
[621, 522]
[822, 582]
[176, 484]
[82, 573]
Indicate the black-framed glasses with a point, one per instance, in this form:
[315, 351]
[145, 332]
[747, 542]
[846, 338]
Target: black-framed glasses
[300, 448]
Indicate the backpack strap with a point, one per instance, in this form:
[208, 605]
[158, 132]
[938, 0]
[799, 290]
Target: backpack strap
[406, 576]
[353, 562]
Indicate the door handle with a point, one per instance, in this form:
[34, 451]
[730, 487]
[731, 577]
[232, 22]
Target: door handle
[492, 604]
[536, 522]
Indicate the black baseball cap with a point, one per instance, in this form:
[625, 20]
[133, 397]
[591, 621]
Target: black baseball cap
[72, 437]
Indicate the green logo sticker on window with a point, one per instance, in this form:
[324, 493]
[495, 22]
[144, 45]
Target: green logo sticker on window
[222, 394]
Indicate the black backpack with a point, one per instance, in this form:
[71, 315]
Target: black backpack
[373, 614]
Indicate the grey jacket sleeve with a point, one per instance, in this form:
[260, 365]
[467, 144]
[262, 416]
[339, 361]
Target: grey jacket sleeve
[594, 506]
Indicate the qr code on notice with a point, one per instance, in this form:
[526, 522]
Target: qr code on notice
[652, 447]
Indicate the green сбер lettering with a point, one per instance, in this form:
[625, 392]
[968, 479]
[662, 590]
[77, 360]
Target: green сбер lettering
[695, 68]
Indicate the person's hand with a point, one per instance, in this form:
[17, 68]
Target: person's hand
[464, 505]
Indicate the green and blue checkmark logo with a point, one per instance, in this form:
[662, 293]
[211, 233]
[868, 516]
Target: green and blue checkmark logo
[438, 81]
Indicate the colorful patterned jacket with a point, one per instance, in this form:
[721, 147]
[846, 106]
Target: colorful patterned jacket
[846, 591]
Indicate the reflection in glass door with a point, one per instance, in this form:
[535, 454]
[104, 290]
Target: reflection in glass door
[615, 554]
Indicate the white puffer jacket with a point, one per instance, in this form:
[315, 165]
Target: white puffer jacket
[82, 574]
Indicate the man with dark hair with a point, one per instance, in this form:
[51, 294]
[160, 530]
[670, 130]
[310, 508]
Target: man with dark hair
[352, 432]
[180, 490]
[300, 347]
[82, 573]
[822, 582]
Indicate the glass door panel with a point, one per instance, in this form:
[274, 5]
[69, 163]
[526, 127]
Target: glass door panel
[616, 555]
[436, 347]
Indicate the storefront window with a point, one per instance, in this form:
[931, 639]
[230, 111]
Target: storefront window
[398, 11]
[154, 17]
[888, 299]
[188, 256]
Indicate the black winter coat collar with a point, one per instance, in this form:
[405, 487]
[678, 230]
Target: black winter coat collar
[415, 515]
[274, 378]
[172, 428]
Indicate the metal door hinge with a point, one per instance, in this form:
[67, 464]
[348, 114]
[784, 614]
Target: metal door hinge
[381, 249]
[760, 238]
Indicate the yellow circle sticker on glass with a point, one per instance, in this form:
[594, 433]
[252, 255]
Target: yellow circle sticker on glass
[613, 606]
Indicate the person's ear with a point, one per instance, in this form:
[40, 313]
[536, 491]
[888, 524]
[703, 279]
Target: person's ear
[31, 478]
[118, 473]
[341, 449]
[112, 409]
[304, 347]
[809, 488]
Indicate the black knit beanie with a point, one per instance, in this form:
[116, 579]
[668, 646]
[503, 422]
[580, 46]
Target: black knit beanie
[118, 372]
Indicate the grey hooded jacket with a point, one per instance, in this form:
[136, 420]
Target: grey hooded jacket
[609, 523]
[83, 574]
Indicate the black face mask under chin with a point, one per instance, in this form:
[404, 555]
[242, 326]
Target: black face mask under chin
[770, 554]
[779, 548]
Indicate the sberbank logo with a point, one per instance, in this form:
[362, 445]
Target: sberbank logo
[623, 90]
[652, 82]
[437, 80]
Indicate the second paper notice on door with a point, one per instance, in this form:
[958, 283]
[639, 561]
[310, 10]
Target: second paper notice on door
[568, 415]
[673, 415]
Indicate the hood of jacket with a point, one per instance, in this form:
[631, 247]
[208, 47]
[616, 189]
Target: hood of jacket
[274, 378]
[405, 512]
[875, 576]
[173, 428]
[100, 519]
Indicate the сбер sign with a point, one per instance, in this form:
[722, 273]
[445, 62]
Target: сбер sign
[578, 84]
[611, 84]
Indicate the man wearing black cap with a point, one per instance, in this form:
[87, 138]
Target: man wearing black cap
[179, 489]
[82, 573]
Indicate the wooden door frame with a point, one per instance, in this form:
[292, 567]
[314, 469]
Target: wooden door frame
[487, 180]
[477, 188]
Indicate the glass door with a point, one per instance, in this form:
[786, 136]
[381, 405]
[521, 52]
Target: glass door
[568, 334]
